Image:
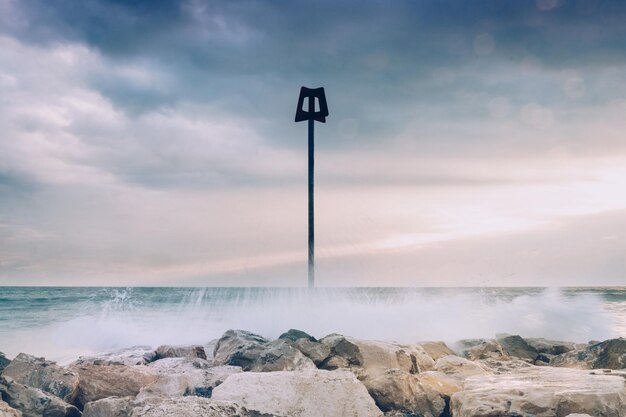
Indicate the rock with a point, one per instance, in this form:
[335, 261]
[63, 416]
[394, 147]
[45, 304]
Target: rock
[293, 335]
[209, 347]
[550, 347]
[254, 353]
[45, 375]
[610, 354]
[186, 351]
[33, 402]
[309, 393]
[7, 411]
[179, 376]
[317, 352]
[489, 349]
[541, 392]
[400, 391]
[192, 407]
[436, 350]
[334, 362]
[109, 407]
[4, 362]
[515, 346]
[459, 368]
[439, 382]
[101, 381]
[136, 355]
[340, 346]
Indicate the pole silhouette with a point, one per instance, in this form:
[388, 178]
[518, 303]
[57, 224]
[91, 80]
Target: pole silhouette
[312, 95]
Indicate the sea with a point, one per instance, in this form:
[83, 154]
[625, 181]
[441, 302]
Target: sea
[62, 323]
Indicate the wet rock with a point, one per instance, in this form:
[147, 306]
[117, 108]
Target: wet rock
[110, 407]
[101, 381]
[33, 402]
[541, 392]
[310, 393]
[515, 346]
[459, 368]
[179, 377]
[4, 362]
[317, 352]
[192, 407]
[550, 347]
[254, 353]
[7, 411]
[181, 351]
[45, 375]
[293, 335]
[400, 391]
[136, 355]
[610, 354]
[436, 350]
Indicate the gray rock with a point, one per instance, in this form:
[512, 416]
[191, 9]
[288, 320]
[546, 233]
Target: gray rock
[340, 346]
[136, 355]
[309, 393]
[7, 411]
[33, 402]
[293, 335]
[45, 375]
[610, 354]
[4, 362]
[253, 353]
[515, 346]
[317, 352]
[192, 407]
[182, 351]
[550, 347]
[110, 407]
[333, 363]
[541, 392]
[102, 381]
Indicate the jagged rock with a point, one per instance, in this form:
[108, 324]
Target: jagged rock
[334, 362]
[317, 352]
[4, 362]
[33, 402]
[400, 391]
[550, 347]
[436, 350]
[541, 392]
[192, 407]
[340, 346]
[610, 354]
[459, 368]
[209, 347]
[254, 353]
[7, 411]
[515, 346]
[101, 381]
[110, 407]
[309, 393]
[489, 349]
[293, 335]
[45, 375]
[183, 351]
[439, 382]
[136, 355]
[179, 376]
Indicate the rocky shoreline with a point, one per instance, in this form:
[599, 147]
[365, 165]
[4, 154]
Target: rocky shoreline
[243, 374]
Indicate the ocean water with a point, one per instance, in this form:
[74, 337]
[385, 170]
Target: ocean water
[63, 323]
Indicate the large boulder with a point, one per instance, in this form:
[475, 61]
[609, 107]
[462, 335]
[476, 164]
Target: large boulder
[550, 347]
[343, 347]
[192, 407]
[310, 393]
[395, 390]
[515, 346]
[179, 376]
[33, 402]
[4, 361]
[459, 368]
[436, 350]
[136, 355]
[254, 353]
[7, 411]
[488, 349]
[101, 381]
[293, 335]
[45, 375]
[180, 351]
[316, 351]
[610, 354]
[110, 407]
[541, 392]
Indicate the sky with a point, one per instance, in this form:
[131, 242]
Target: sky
[469, 143]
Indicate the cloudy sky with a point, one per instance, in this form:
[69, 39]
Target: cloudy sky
[468, 143]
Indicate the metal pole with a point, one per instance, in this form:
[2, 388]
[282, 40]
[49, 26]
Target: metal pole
[311, 204]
